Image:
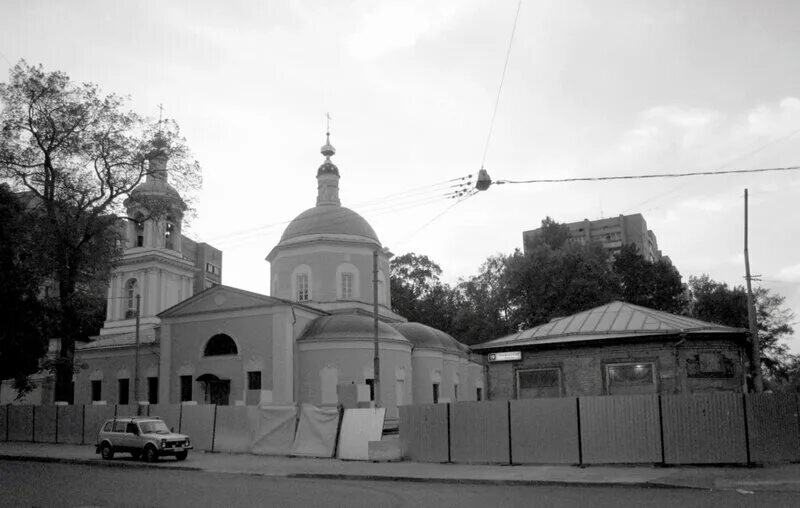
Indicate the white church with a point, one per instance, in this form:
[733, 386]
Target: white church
[311, 341]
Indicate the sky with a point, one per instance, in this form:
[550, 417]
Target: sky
[591, 89]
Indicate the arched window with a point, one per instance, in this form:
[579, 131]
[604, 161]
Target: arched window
[139, 227]
[301, 283]
[220, 344]
[169, 233]
[131, 290]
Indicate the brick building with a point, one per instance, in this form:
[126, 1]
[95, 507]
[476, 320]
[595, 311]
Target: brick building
[616, 349]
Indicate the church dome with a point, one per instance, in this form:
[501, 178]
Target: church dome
[349, 327]
[329, 220]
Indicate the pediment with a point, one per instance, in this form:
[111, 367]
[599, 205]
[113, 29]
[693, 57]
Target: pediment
[221, 298]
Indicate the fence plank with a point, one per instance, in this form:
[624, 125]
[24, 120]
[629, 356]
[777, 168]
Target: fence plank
[20, 423]
[544, 431]
[704, 429]
[773, 427]
[423, 432]
[44, 430]
[620, 429]
[70, 424]
[170, 413]
[236, 427]
[479, 432]
[198, 423]
[3, 426]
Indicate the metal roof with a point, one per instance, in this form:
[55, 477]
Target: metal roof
[613, 320]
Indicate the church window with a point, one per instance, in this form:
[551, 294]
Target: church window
[152, 390]
[435, 393]
[219, 345]
[347, 286]
[254, 380]
[124, 390]
[131, 290]
[186, 388]
[139, 226]
[479, 394]
[302, 287]
[371, 384]
[97, 390]
[169, 234]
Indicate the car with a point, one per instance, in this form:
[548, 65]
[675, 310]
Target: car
[142, 437]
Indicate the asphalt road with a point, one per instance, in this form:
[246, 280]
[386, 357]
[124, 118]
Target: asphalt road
[50, 484]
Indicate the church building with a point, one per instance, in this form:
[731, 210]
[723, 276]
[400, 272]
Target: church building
[310, 341]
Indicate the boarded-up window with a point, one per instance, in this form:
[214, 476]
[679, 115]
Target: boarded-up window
[96, 390]
[152, 390]
[537, 383]
[630, 378]
[124, 390]
[254, 380]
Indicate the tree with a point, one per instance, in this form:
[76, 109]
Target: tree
[551, 233]
[23, 339]
[655, 285]
[484, 310]
[412, 276]
[77, 153]
[717, 303]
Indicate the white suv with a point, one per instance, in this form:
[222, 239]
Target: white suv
[147, 437]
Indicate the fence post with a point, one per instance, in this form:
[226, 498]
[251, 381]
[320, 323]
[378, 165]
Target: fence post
[180, 417]
[56, 424]
[449, 456]
[214, 429]
[8, 421]
[510, 455]
[661, 431]
[580, 438]
[33, 424]
[83, 423]
[746, 428]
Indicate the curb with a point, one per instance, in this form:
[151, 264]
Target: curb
[93, 462]
[484, 481]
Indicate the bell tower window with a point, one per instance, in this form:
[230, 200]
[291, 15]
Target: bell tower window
[169, 234]
[301, 282]
[131, 290]
[139, 227]
[347, 286]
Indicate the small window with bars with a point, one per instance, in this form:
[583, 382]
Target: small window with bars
[302, 287]
[254, 380]
[347, 286]
[539, 383]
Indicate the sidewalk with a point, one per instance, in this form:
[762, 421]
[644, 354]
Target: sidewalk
[769, 478]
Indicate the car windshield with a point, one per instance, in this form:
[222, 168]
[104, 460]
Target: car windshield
[157, 427]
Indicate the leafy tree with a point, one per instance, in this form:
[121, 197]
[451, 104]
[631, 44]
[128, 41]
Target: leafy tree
[551, 233]
[654, 285]
[23, 339]
[77, 153]
[412, 276]
[484, 310]
[718, 303]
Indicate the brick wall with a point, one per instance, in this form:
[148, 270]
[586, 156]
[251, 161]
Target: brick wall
[677, 369]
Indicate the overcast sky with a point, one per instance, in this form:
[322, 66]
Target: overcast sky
[592, 88]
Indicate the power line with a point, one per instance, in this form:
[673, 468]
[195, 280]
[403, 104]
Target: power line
[459, 201]
[500, 88]
[655, 175]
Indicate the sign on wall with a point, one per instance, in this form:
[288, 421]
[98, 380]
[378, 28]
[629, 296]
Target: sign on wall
[505, 356]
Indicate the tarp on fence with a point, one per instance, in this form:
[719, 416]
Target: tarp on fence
[772, 427]
[70, 424]
[275, 431]
[544, 431]
[620, 430]
[704, 428]
[423, 432]
[359, 427]
[44, 424]
[236, 426]
[93, 420]
[316, 431]
[479, 432]
[20, 423]
[198, 423]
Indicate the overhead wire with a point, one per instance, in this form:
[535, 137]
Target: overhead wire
[646, 176]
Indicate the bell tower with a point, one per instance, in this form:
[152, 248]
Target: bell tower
[152, 266]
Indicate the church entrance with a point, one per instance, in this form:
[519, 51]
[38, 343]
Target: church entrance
[217, 391]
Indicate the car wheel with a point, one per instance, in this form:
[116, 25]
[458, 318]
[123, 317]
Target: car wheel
[106, 451]
[181, 455]
[150, 454]
[136, 455]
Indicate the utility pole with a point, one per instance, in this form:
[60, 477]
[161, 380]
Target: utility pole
[376, 361]
[755, 352]
[136, 362]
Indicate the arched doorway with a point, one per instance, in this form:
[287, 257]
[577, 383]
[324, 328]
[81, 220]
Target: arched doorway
[217, 391]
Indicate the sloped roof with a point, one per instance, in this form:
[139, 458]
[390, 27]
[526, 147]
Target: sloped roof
[613, 320]
[221, 297]
[121, 340]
